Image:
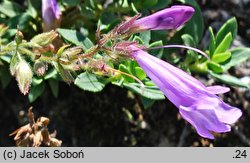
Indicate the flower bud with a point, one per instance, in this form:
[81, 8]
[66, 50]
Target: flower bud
[51, 14]
[169, 18]
[23, 76]
[44, 38]
[3, 29]
[71, 52]
[19, 37]
[40, 68]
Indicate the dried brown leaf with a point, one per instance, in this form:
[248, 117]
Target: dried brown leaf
[46, 136]
[55, 142]
[43, 120]
[38, 138]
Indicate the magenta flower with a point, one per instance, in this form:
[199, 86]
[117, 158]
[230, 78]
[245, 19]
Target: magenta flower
[169, 18]
[51, 14]
[197, 103]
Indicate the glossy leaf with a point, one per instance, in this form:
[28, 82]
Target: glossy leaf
[224, 44]
[140, 73]
[229, 27]
[221, 57]
[212, 42]
[216, 68]
[124, 69]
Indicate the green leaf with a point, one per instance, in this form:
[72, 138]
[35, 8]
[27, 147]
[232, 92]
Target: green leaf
[224, 44]
[138, 39]
[188, 40]
[195, 26]
[131, 66]
[161, 4]
[215, 67]
[238, 55]
[76, 38]
[229, 26]
[36, 91]
[52, 73]
[89, 82]
[140, 73]
[148, 3]
[192, 56]
[157, 52]
[212, 44]
[9, 8]
[124, 68]
[65, 74]
[31, 9]
[147, 103]
[230, 80]
[22, 21]
[151, 92]
[36, 81]
[54, 86]
[60, 51]
[146, 37]
[71, 2]
[221, 57]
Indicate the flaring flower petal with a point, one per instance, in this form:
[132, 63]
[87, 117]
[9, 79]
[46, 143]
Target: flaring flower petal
[197, 103]
[217, 89]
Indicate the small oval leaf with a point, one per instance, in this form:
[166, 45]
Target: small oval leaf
[215, 67]
[89, 82]
[221, 57]
[224, 44]
[140, 73]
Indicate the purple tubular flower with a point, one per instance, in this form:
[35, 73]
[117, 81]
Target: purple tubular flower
[51, 14]
[197, 103]
[170, 18]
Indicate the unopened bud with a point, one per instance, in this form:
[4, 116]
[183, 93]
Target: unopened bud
[169, 18]
[44, 39]
[51, 14]
[23, 76]
[19, 37]
[40, 68]
[3, 29]
[71, 52]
